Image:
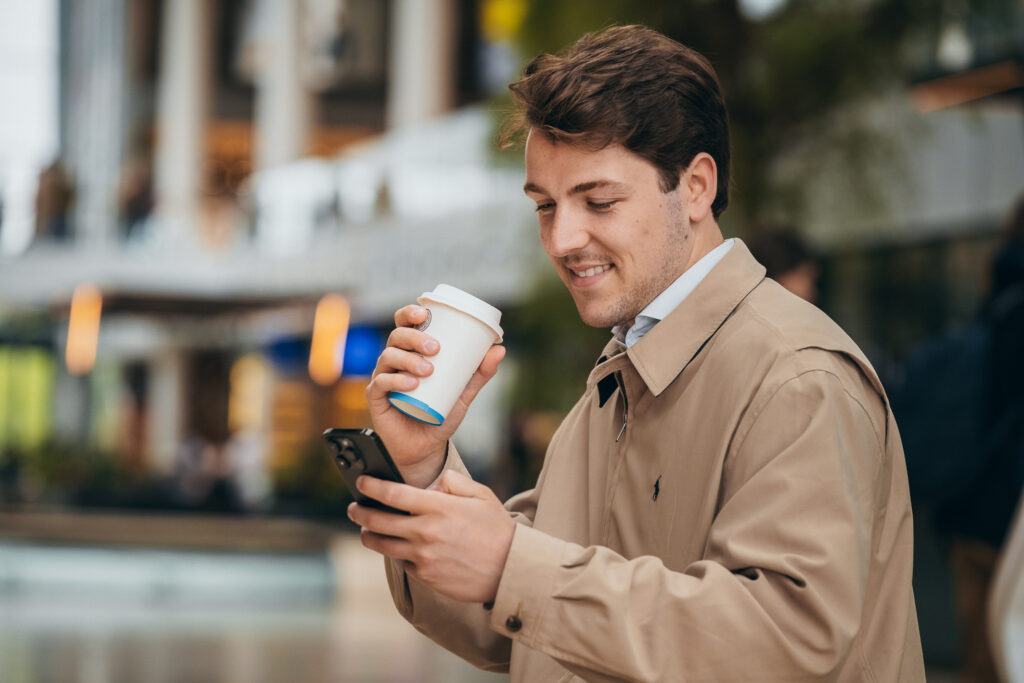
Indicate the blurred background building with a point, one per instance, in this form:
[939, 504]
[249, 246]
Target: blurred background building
[195, 196]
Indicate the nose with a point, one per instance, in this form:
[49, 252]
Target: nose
[565, 234]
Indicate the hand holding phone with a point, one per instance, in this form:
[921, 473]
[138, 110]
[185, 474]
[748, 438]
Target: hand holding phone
[357, 452]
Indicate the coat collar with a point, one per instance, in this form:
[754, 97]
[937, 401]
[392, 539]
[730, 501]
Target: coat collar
[670, 345]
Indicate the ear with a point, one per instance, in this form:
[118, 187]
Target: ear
[701, 181]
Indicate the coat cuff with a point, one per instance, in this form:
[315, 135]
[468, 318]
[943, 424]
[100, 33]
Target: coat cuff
[452, 461]
[526, 584]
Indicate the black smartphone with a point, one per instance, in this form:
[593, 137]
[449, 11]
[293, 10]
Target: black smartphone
[360, 451]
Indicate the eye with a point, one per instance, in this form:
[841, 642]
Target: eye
[602, 206]
[544, 207]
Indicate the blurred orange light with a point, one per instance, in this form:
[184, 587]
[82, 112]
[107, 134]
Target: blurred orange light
[247, 393]
[350, 395]
[327, 351]
[83, 329]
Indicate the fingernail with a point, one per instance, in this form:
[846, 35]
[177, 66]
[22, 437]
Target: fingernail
[430, 346]
[408, 382]
[425, 367]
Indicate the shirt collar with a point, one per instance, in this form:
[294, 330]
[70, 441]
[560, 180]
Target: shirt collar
[671, 296]
[669, 346]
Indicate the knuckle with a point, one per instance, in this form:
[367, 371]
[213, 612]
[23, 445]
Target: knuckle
[431, 533]
[428, 575]
[420, 557]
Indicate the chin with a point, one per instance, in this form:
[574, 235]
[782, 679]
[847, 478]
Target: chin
[598, 318]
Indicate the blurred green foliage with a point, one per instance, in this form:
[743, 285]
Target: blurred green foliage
[789, 79]
[783, 75]
[63, 472]
[310, 484]
[554, 350]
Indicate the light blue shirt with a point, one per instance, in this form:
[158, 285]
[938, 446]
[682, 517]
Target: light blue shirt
[672, 296]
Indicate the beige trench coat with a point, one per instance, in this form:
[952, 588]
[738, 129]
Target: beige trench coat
[727, 502]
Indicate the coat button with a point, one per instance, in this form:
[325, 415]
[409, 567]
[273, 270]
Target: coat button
[513, 623]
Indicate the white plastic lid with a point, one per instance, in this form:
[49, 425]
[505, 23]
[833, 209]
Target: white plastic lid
[467, 303]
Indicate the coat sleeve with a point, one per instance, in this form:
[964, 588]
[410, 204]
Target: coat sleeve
[778, 593]
[461, 627]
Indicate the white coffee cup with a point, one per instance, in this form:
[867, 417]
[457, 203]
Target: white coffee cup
[466, 328]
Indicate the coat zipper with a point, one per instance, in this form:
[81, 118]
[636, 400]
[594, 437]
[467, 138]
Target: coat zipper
[625, 405]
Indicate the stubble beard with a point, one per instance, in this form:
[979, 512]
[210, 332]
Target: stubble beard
[627, 307]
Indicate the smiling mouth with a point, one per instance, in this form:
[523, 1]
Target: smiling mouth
[590, 272]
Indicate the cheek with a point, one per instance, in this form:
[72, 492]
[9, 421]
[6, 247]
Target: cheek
[544, 236]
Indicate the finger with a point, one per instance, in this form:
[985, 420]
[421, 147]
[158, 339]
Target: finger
[380, 522]
[414, 500]
[458, 484]
[488, 368]
[393, 359]
[410, 316]
[382, 385]
[398, 548]
[413, 340]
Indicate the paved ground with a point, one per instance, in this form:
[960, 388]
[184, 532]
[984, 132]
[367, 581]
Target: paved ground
[106, 614]
[84, 629]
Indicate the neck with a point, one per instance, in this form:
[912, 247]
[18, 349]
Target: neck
[706, 236]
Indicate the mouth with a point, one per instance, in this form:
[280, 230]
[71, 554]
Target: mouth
[591, 275]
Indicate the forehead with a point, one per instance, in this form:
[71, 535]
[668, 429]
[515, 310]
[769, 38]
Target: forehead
[551, 163]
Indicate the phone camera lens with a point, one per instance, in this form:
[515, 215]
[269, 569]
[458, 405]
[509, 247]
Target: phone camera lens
[345, 453]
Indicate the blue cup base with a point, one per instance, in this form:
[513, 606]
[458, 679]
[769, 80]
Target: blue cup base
[415, 408]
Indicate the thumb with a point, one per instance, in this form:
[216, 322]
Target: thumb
[458, 484]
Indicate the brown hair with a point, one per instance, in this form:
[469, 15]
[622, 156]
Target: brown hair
[632, 86]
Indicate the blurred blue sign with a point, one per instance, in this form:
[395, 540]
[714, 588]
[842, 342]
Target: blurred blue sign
[289, 355]
[362, 347]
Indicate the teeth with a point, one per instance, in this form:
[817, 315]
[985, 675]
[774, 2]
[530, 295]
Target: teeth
[589, 272]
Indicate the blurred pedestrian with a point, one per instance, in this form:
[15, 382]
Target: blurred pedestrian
[961, 411]
[135, 196]
[55, 195]
[788, 260]
[728, 498]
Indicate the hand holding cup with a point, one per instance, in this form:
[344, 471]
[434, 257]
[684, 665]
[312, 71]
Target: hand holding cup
[418, 444]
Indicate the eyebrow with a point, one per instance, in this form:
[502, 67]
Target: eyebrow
[583, 187]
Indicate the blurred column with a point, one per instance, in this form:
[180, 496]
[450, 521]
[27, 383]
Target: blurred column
[283, 100]
[93, 113]
[165, 408]
[182, 102]
[70, 406]
[423, 50]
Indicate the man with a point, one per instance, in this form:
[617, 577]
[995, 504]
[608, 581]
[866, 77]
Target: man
[728, 498]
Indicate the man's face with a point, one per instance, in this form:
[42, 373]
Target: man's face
[614, 237]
